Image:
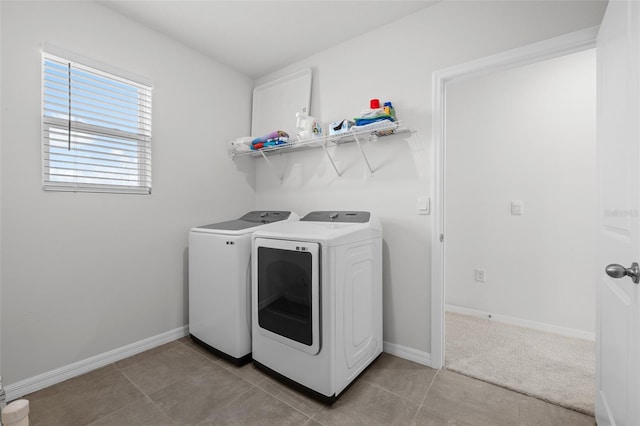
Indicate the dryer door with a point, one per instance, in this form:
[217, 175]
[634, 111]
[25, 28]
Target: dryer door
[287, 292]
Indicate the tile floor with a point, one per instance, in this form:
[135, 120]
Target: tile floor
[181, 384]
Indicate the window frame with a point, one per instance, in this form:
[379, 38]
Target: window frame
[141, 140]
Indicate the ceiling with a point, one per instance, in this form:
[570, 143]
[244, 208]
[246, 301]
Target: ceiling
[257, 37]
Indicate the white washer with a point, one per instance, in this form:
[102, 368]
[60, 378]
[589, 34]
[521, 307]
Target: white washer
[220, 283]
[317, 300]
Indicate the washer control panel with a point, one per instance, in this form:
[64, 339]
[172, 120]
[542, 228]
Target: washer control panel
[264, 216]
[250, 220]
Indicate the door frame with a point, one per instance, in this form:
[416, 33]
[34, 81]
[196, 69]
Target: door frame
[548, 49]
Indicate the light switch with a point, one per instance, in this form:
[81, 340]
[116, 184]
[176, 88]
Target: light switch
[424, 205]
[517, 208]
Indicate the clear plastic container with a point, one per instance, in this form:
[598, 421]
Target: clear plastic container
[16, 413]
[3, 395]
[3, 400]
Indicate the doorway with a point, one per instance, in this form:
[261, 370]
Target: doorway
[498, 235]
[520, 195]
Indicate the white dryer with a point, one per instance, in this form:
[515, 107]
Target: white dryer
[220, 283]
[317, 300]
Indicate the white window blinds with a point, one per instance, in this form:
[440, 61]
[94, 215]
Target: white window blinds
[96, 130]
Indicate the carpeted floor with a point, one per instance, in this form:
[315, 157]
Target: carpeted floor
[550, 367]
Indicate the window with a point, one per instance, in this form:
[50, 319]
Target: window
[96, 129]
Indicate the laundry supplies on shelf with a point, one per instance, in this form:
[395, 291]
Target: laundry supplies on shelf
[389, 109]
[308, 127]
[377, 121]
[242, 144]
[375, 115]
[249, 144]
[341, 126]
[275, 138]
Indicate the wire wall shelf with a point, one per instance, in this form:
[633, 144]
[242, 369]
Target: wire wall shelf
[356, 134]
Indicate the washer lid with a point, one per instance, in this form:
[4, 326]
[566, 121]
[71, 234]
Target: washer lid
[249, 220]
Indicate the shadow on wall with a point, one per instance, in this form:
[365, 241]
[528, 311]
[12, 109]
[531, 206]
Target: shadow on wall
[387, 289]
[415, 146]
[405, 272]
[185, 286]
[408, 146]
[246, 167]
[297, 170]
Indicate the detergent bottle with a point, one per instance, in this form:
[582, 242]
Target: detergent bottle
[307, 126]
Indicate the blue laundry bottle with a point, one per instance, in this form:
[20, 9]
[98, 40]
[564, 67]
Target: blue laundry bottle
[388, 109]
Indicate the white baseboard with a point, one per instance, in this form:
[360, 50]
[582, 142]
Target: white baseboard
[549, 328]
[32, 384]
[410, 354]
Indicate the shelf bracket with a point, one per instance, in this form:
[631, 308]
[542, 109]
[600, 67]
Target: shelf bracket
[366, 160]
[279, 175]
[324, 145]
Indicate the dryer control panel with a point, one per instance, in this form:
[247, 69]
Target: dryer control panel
[337, 216]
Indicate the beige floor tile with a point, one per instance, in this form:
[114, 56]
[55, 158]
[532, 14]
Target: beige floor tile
[124, 363]
[292, 397]
[461, 400]
[82, 400]
[256, 407]
[248, 371]
[200, 394]
[140, 413]
[404, 378]
[434, 418]
[188, 342]
[366, 404]
[534, 412]
[188, 385]
[158, 370]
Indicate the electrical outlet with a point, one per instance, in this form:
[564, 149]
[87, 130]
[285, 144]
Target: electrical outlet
[480, 275]
[517, 208]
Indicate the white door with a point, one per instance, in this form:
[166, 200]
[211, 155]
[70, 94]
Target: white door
[618, 328]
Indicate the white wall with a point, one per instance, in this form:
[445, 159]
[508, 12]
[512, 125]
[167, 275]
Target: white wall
[83, 274]
[395, 63]
[524, 134]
